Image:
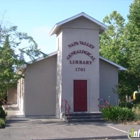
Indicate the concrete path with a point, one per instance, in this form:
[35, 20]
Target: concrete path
[47, 128]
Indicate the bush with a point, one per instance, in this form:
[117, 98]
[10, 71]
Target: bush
[118, 114]
[137, 100]
[2, 123]
[136, 109]
[126, 104]
[2, 113]
[2, 117]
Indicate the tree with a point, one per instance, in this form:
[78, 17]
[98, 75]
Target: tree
[121, 44]
[133, 37]
[10, 56]
[15, 40]
[132, 48]
[113, 47]
[112, 41]
[8, 59]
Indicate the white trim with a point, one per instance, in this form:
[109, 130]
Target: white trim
[41, 58]
[120, 67]
[48, 55]
[57, 25]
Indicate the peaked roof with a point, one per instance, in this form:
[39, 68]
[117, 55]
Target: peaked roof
[102, 58]
[112, 63]
[57, 25]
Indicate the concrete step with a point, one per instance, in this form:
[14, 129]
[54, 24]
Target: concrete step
[85, 114]
[85, 117]
[86, 120]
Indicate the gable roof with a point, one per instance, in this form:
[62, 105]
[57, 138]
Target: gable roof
[48, 55]
[102, 58]
[39, 59]
[112, 63]
[103, 27]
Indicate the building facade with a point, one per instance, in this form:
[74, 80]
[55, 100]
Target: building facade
[75, 72]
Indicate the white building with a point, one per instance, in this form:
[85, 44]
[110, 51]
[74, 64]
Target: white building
[75, 72]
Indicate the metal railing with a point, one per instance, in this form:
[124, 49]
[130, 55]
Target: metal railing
[4, 102]
[66, 106]
[105, 103]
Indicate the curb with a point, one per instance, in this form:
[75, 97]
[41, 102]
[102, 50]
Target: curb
[87, 138]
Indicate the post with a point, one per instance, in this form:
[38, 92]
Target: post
[65, 107]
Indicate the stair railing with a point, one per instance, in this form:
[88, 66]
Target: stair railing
[66, 106]
[105, 103]
[3, 101]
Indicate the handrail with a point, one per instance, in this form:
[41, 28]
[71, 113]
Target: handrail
[3, 101]
[67, 107]
[105, 103]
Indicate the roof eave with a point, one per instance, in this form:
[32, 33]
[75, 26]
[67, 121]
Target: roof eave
[123, 69]
[113, 63]
[53, 31]
[56, 27]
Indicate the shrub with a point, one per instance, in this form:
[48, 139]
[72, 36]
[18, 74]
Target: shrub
[138, 97]
[136, 109]
[137, 100]
[118, 114]
[2, 113]
[2, 117]
[126, 104]
[2, 123]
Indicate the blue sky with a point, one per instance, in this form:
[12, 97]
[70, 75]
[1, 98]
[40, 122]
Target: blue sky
[37, 17]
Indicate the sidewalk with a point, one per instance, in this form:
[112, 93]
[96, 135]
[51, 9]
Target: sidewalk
[46, 128]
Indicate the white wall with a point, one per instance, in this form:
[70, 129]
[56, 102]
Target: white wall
[20, 95]
[77, 30]
[59, 76]
[108, 81]
[40, 87]
[12, 95]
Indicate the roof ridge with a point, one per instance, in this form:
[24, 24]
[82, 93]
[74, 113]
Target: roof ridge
[57, 25]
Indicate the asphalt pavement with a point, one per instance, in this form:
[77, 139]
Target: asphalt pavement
[19, 127]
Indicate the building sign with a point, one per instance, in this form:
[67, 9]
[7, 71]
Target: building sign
[80, 51]
[81, 43]
[83, 62]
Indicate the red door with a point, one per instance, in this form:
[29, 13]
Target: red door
[80, 95]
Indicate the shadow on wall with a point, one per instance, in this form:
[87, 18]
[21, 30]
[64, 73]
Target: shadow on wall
[12, 96]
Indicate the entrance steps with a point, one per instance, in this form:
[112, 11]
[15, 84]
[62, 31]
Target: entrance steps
[85, 117]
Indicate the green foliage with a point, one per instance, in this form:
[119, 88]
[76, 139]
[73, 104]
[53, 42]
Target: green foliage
[112, 46]
[113, 40]
[137, 106]
[118, 114]
[132, 46]
[136, 109]
[121, 44]
[126, 104]
[11, 56]
[137, 101]
[2, 113]
[2, 123]
[8, 76]
[2, 117]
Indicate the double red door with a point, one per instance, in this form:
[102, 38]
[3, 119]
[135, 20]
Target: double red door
[80, 95]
